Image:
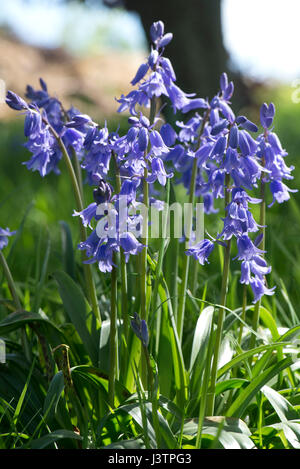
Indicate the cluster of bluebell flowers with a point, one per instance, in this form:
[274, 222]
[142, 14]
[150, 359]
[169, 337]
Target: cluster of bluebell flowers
[231, 162]
[227, 148]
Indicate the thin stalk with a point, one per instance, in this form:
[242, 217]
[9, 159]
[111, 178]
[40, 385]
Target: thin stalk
[124, 285]
[158, 270]
[92, 295]
[225, 277]
[78, 173]
[243, 316]
[186, 259]
[144, 253]
[153, 395]
[113, 339]
[143, 270]
[171, 262]
[195, 269]
[144, 240]
[262, 221]
[10, 282]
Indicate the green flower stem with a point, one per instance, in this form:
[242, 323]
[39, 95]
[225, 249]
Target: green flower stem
[143, 269]
[152, 395]
[225, 277]
[92, 295]
[186, 259]
[262, 222]
[113, 345]
[243, 316]
[124, 285]
[144, 241]
[195, 268]
[158, 270]
[10, 282]
[78, 174]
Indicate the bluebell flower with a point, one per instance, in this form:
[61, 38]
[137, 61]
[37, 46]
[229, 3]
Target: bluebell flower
[51, 105]
[46, 153]
[259, 288]
[5, 233]
[256, 266]
[246, 124]
[130, 245]
[267, 115]
[87, 214]
[139, 327]
[15, 102]
[189, 130]
[280, 192]
[102, 253]
[97, 155]
[103, 192]
[129, 188]
[272, 156]
[208, 201]
[44, 117]
[158, 172]
[157, 31]
[182, 101]
[116, 226]
[247, 249]
[201, 251]
[226, 87]
[168, 134]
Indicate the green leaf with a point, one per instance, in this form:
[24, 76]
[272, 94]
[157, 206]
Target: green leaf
[291, 430]
[80, 314]
[126, 444]
[201, 335]
[270, 322]
[281, 405]
[22, 396]
[233, 383]
[232, 433]
[51, 438]
[96, 378]
[20, 319]
[165, 431]
[244, 356]
[53, 395]
[240, 404]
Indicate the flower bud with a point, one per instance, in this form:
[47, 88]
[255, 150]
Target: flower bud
[103, 192]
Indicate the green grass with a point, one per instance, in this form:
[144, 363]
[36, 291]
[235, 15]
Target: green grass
[54, 387]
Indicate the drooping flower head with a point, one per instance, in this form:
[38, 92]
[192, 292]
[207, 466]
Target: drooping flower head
[157, 78]
[139, 327]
